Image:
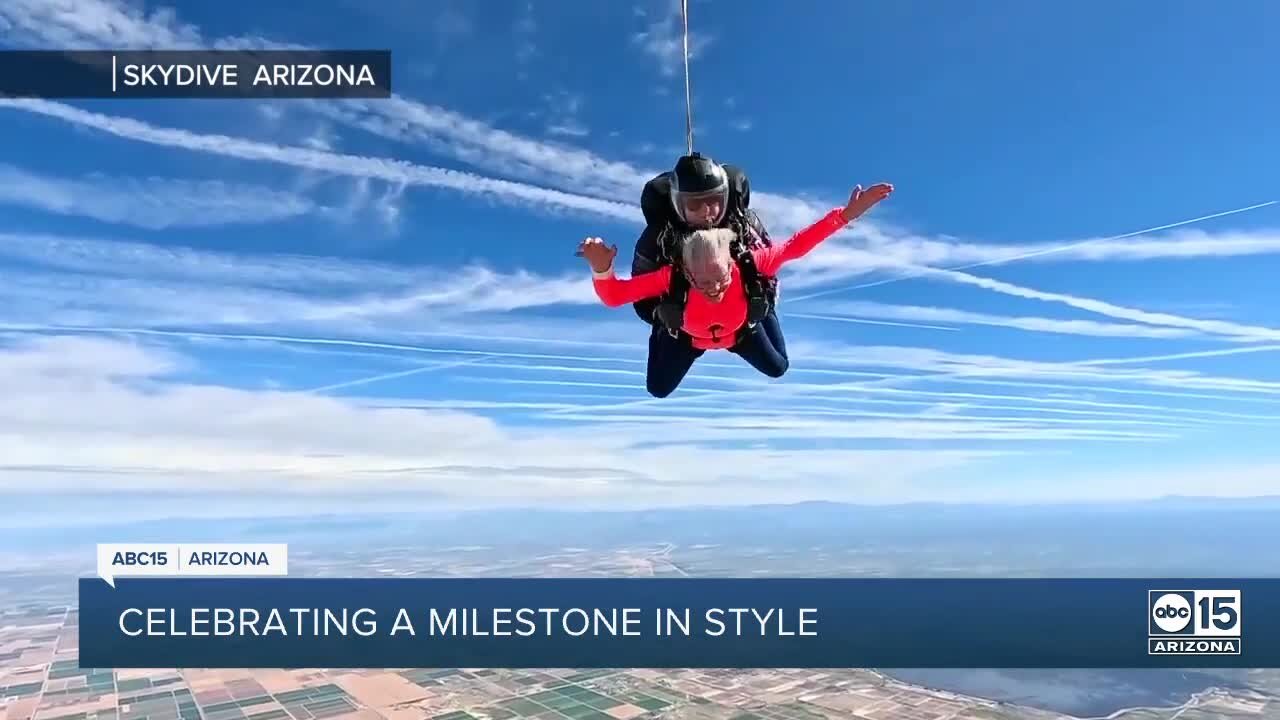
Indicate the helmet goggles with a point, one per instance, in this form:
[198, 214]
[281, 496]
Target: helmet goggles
[699, 191]
[702, 209]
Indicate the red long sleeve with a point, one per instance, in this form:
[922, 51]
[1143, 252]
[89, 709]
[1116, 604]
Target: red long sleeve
[771, 259]
[614, 291]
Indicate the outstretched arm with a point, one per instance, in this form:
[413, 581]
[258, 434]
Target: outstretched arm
[613, 290]
[771, 259]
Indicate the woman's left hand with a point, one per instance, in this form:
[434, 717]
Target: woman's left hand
[861, 200]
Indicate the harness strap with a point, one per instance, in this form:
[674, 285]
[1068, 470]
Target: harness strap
[754, 283]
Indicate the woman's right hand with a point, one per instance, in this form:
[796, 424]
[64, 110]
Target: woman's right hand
[598, 256]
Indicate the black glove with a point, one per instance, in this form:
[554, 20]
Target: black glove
[671, 316]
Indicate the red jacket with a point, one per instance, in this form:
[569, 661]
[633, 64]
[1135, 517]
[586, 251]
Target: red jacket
[700, 314]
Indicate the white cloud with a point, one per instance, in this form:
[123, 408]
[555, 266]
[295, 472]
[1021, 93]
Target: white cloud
[87, 414]
[116, 257]
[154, 203]
[663, 38]
[68, 280]
[101, 24]
[525, 29]
[83, 414]
[394, 171]
[324, 138]
[482, 146]
[569, 128]
[91, 24]
[564, 109]
[384, 206]
[1155, 478]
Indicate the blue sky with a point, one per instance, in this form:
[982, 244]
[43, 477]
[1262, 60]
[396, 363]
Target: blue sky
[339, 299]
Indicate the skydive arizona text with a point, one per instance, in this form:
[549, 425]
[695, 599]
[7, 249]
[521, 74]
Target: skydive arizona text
[228, 75]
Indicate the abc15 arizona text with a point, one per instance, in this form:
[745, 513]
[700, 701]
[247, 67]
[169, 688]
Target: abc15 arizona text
[1193, 622]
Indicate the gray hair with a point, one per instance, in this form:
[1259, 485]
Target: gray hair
[708, 248]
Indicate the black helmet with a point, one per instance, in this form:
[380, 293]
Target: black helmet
[696, 182]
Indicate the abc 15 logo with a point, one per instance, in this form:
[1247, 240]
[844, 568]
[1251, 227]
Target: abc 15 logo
[1194, 613]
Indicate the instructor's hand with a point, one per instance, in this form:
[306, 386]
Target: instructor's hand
[599, 256]
[861, 200]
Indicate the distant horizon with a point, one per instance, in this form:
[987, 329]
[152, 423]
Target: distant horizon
[267, 511]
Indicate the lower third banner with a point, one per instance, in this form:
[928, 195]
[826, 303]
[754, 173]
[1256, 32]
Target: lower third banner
[679, 623]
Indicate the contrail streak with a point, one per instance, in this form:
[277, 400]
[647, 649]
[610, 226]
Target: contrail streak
[400, 374]
[195, 335]
[963, 375]
[1215, 327]
[1183, 356]
[865, 321]
[1037, 253]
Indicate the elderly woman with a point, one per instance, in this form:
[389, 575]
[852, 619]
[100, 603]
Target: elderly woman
[715, 315]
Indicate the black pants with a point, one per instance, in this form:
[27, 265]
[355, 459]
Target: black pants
[671, 358]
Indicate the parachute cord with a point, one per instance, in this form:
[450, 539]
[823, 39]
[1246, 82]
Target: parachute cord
[688, 95]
